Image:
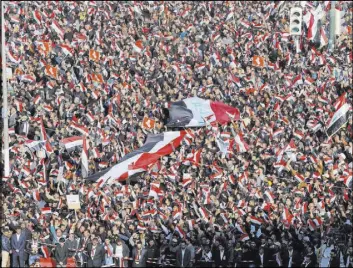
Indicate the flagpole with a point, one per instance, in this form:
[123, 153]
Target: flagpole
[332, 40]
[4, 95]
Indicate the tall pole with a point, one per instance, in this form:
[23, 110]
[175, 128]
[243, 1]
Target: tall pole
[332, 40]
[4, 97]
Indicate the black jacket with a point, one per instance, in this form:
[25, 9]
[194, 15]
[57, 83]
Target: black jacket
[61, 253]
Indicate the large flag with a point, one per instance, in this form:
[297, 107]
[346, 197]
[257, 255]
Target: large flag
[339, 118]
[156, 146]
[191, 112]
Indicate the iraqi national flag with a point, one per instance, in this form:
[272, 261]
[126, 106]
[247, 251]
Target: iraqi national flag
[154, 190]
[191, 112]
[45, 210]
[72, 142]
[348, 180]
[340, 101]
[312, 27]
[244, 237]
[297, 81]
[28, 78]
[138, 46]
[58, 29]
[67, 50]
[203, 214]
[37, 16]
[37, 99]
[36, 195]
[180, 231]
[191, 224]
[298, 134]
[299, 178]
[242, 146]
[256, 220]
[84, 158]
[236, 80]
[15, 19]
[270, 196]
[186, 180]
[82, 129]
[245, 24]
[33, 146]
[13, 58]
[286, 215]
[155, 146]
[309, 81]
[339, 119]
[323, 37]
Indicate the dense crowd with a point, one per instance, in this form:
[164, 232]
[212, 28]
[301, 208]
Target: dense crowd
[99, 68]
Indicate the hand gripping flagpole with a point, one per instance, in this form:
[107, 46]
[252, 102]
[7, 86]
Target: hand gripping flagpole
[4, 95]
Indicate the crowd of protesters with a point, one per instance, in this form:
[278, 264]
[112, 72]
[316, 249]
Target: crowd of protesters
[99, 68]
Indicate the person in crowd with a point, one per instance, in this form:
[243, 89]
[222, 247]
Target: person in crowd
[61, 253]
[33, 248]
[183, 256]
[139, 255]
[121, 254]
[6, 248]
[72, 245]
[95, 254]
[18, 243]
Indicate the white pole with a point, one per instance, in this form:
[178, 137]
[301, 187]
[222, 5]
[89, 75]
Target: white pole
[297, 45]
[332, 39]
[4, 96]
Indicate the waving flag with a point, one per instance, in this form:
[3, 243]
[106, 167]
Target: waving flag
[72, 142]
[13, 58]
[242, 146]
[58, 29]
[192, 112]
[338, 120]
[156, 146]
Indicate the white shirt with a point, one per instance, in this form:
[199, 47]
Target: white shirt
[18, 236]
[222, 254]
[262, 258]
[119, 251]
[290, 258]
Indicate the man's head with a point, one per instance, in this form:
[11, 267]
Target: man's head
[18, 230]
[62, 241]
[86, 233]
[95, 241]
[183, 245]
[139, 245]
[62, 227]
[71, 236]
[59, 233]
